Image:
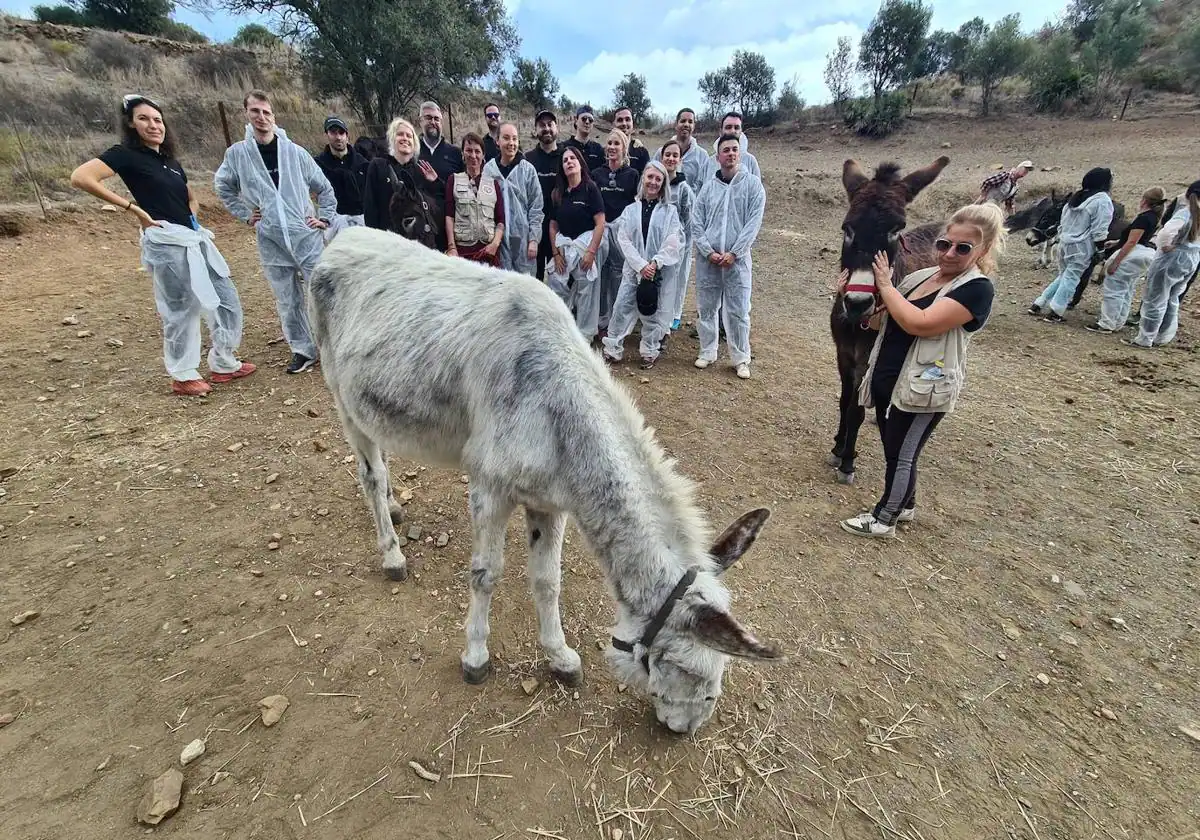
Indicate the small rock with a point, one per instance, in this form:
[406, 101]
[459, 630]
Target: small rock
[465, 479]
[1002, 656]
[70, 321]
[84, 334]
[277, 537]
[1118, 623]
[1068, 639]
[290, 401]
[21, 618]
[617, 834]
[191, 752]
[319, 594]
[621, 688]
[1043, 679]
[395, 590]
[256, 572]
[6, 719]
[162, 798]
[1069, 400]
[1191, 730]
[322, 511]
[945, 145]
[645, 380]
[283, 596]
[273, 708]
[415, 657]
[1025, 803]
[1055, 579]
[272, 478]
[406, 495]
[414, 532]
[103, 765]
[272, 546]
[1074, 589]
[115, 343]
[235, 447]
[1107, 714]
[529, 686]
[320, 445]
[57, 357]
[1012, 633]
[312, 412]
[443, 540]
[372, 672]
[1079, 622]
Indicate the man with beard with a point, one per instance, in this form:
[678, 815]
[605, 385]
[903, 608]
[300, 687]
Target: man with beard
[346, 171]
[545, 159]
[639, 155]
[445, 158]
[491, 140]
[593, 152]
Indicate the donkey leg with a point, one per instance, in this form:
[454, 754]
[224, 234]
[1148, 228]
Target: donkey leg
[372, 475]
[489, 515]
[395, 510]
[545, 532]
[852, 418]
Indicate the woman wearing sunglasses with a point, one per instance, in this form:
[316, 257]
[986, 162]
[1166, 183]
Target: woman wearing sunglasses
[918, 365]
[191, 278]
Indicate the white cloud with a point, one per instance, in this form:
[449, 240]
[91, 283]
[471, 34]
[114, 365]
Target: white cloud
[671, 74]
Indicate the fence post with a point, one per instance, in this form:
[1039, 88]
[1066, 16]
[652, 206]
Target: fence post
[450, 118]
[225, 124]
[1128, 94]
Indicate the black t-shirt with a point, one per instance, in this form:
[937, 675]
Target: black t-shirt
[639, 156]
[976, 295]
[270, 156]
[647, 212]
[158, 183]
[576, 213]
[491, 149]
[546, 164]
[1147, 223]
[593, 152]
[618, 189]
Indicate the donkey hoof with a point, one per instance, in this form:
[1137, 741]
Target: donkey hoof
[396, 572]
[395, 513]
[477, 675]
[845, 478]
[571, 679]
[833, 459]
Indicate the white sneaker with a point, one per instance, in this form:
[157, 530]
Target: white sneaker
[866, 525]
[907, 515]
[702, 363]
[743, 371]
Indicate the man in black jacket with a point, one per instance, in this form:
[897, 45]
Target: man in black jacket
[546, 158]
[445, 158]
[346, 170]
[593, 152]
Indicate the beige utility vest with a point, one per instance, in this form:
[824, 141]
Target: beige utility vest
[474, 209]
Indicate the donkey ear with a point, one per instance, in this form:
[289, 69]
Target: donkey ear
[853, 177]
[919, 179]
[738, 537]
[722, 632]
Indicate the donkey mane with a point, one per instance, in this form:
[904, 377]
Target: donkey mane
[887, 173]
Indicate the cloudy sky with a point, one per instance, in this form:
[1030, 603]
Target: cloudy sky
[589, 54]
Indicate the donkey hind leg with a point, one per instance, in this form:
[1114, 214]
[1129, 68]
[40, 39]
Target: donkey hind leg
[395, 510]
[544, 533]
[489, 516]
[372, 475]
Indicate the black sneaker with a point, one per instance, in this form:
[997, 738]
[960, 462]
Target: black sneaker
[1096, 328]
[300, 363]
[1054, 318]
[1034, 309]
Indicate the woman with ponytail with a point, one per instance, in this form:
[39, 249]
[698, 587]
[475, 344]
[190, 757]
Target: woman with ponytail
[1178, 256]
[1127, 266]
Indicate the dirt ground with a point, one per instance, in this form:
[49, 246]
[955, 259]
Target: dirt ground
[1022, 662]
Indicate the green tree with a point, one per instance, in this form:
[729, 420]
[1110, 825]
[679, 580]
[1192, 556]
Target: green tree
[1189, 52]
[176, 31]
[963, 42]
[531, 83]
[147, 17]
[790, 106]
[891, 47]
[839, 73]
[1053, 73]
[937, 56]
[62, 14]
[381, 55]
[752, 84]
[716, 92]
[630, 93]
[255, 35]
[1118, 36]
[1000, 54]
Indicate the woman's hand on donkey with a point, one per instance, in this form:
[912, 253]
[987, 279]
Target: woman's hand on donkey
[882, 267]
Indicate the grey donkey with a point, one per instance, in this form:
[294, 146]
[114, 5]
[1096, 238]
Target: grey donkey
[460, 365]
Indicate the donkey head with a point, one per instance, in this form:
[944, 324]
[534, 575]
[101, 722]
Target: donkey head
[1046, 225]
[877, 215]
[680, 659]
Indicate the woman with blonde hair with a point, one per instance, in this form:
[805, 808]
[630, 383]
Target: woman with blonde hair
[918, 365]
[1127, 265]
[403, 193]
[618, 183]
[1178, 256]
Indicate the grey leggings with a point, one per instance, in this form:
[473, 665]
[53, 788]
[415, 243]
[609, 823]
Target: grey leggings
[904, 435]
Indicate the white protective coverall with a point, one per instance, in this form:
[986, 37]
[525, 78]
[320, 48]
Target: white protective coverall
[748, 161]
[664, 244]
[288, 248]
[1119, 287]
[726, 218]
[697, 168]
[191, 280]
[524, 211]
[1079, 231]
[1166, 280]
[684, 199]
[575, 286]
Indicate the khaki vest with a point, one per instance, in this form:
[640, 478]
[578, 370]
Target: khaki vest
[943, 354]
[474, 210]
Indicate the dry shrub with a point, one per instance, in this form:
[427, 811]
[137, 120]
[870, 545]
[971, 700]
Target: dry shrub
[223, 68]
[107, 52]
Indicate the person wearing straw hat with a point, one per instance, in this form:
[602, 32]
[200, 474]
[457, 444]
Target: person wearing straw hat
[1001, 188]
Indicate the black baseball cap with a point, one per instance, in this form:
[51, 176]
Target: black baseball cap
[335, 122]
[542, 114]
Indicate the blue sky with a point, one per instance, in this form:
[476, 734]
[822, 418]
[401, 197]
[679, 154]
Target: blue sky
[589, 54]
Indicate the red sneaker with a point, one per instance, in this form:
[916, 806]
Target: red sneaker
[191, 388]
[246, 369]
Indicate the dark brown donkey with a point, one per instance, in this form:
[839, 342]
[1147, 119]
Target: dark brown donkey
[877, 216]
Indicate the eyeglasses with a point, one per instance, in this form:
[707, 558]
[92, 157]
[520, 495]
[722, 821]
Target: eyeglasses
[960, 248]
[587, 119]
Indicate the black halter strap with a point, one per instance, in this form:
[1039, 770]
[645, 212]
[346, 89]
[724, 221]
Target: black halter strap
[660, 619]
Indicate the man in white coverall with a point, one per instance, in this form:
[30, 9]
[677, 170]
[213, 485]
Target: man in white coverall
[266, 180]
[726, 218]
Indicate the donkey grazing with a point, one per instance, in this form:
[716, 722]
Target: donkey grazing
[461, 365]
[877, 216]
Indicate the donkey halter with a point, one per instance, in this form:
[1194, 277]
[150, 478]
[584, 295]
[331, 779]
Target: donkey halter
[658, 621]
[873, 290]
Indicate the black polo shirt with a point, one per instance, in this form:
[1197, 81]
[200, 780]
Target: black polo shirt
[593, 152]
[576, 213]
[158, 183]
[546, 164]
